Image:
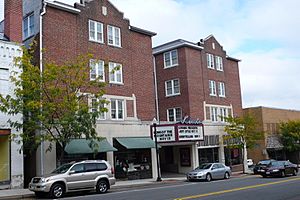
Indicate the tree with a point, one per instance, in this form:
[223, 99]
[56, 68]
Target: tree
[54, 101]
[290, 136]
[242, 133]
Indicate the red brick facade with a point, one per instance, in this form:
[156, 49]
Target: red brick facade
[13, 20]
[135, 54]
[194, 76]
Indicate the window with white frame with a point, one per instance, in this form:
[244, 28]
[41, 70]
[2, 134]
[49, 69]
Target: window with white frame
[212, 88]
[172, 87]
[28, 26]
[114, 35]
[221, 88]
[214, 114]
[117, 109]
[97, 70]
[219, 63]
[98, 106]
[115, 73]
[95, 31]
[171, 58]
[223, 114]
[174, 114]
[210, 61]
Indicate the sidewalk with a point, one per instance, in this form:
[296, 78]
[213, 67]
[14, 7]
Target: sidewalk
[25, 193]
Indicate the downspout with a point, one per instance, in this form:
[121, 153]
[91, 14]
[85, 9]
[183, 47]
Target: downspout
[155, 87]
[41, 72]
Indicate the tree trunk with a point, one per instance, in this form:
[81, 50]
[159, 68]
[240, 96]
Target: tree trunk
[245, 164]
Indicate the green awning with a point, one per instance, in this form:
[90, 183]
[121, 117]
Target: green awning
[83, 146]
[136, 142]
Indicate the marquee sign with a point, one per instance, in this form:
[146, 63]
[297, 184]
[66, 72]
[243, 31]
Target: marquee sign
[185, 130]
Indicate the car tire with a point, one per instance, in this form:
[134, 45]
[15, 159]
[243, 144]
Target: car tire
[57, 191]
[282, 173]
[102, 186]
[226, 175]
[294, 172]
[208, 177]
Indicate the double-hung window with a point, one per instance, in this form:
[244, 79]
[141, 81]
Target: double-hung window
[117, 109]
[114, 36]
[214, 114]
[219, 63]
[171, 58]
[95, 31]
[97, 70]
[174, 114]
[210, 61]
[28, 26]
[212, 88]
[223, 114]
[172, 87]
[98, 106]
[115, 73]
[221, 88]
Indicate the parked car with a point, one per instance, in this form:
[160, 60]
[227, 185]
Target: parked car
[209, 171]
[280, 168]
[78, 176]
[261, 165]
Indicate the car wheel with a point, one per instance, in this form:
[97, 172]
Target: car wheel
[208, 177]
[57, 190]
[294, 172]
[102, 186]
[226, 175]
[282, 173]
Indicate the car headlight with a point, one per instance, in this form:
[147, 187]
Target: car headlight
[200, 173]
[45, 180]
[275, 170]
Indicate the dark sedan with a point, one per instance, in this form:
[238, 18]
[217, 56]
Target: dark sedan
[261, 165]
[279, 168]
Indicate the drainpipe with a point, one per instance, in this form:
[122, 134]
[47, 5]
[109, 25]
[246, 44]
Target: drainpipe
[155, 87]
[41, 71]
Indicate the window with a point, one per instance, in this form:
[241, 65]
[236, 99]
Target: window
[78, 168]
[171, 58]
[221, 89]
[174, 114]
[97, 70]
[114, 36]
[172, 87]
[95, 31]
[214, 114]
[223, 114]
[99, 106]
[210, 61]
[115, 73]
[28, 26]
[212, 88]
[219, 63]
[117, 109]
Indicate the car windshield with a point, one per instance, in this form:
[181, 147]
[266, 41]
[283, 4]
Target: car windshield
[204, 166]
[62, 169]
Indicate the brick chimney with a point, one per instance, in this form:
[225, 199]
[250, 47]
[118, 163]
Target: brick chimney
[13, 17]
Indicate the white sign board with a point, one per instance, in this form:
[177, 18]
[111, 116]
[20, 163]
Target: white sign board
[190, 133]
[164, 134]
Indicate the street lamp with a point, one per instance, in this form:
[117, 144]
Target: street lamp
[157, 153]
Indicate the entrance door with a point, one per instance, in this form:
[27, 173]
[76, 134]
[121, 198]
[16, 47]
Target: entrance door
[4, 159]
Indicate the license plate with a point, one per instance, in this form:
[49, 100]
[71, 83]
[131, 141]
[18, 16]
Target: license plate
[267, 172]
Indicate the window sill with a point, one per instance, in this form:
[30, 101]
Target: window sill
[222, 96]
[114, 83]
[115, 46]
[95, 41]
[210, 67]
[172, 95]
[171, 66]
[213, 95]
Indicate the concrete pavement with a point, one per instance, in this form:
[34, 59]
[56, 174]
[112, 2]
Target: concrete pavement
[25, 193]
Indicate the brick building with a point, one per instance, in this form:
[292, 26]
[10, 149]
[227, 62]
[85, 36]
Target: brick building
[268, 121]
[197, 80]
[98, 27]
[11, 160]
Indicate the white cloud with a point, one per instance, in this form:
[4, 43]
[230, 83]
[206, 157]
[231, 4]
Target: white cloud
[248, 30]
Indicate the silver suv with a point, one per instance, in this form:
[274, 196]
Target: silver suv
[77, 176]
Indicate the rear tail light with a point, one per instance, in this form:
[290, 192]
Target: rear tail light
[112, 170]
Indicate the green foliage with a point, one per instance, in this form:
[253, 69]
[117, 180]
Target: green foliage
[54, 102]
[241, 131]
[290, 135]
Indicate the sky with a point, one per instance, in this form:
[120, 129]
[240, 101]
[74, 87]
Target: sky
[264, 35]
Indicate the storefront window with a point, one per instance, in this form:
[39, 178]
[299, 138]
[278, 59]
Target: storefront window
[4, 159]
[208, 155]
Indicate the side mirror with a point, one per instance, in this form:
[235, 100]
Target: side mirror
[71, 172]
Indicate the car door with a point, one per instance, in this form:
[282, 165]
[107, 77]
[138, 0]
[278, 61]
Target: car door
[288, 167]
[221, 170]
[215, 171]
[76, 179]
[91, 173]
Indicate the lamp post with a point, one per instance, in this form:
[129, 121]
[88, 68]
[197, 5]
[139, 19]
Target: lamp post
[157, 154]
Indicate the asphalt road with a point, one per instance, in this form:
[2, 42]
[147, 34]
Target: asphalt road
[243, 188]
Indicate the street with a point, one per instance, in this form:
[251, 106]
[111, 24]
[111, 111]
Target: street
[242, 188]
